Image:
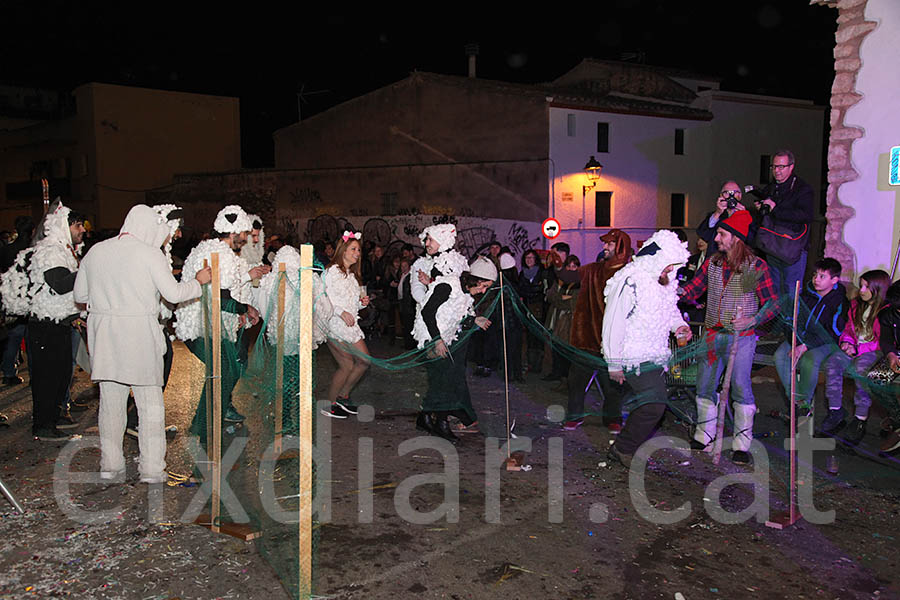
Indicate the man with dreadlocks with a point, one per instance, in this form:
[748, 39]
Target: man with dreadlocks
[740, 297]
[641, 312]
[231, 228]
[52, 271]
[121, 280]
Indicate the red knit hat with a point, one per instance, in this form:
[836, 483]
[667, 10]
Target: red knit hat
[738, 224]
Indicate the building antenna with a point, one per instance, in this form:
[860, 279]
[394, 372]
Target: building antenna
[301, 97]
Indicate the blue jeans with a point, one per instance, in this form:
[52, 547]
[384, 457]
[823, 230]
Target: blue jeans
[15, 334]
[807, 369]
[708, 375]
[785, 276]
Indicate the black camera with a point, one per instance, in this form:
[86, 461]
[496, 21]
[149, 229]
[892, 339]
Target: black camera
[731, 200]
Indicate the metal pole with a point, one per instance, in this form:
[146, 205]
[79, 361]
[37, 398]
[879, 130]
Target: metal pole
[11, 498]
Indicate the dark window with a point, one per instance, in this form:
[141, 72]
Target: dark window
[603, 209]
[570, 125]
[389, 203]
[679, 211]
[765, 164]
[602, 137]
[679, 141]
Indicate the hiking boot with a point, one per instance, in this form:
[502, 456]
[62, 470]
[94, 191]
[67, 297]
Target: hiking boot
[834, 421]
[855, 431]
[233, 416]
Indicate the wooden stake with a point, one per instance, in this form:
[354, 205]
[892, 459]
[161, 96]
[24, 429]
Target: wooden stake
[216, 441]
[279, 361]
[305, 417]
[791, 516]
[511, 463]
[724, 396]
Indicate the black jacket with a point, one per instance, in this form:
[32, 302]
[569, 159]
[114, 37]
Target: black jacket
[794, 204]
[889, 340]
[822, 318]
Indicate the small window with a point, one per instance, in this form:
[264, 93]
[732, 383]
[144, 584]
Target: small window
[602, 137]
[602, 209]
[765, 166]
[679, 141]
[570, 124]
[679, 211]
[389, 203]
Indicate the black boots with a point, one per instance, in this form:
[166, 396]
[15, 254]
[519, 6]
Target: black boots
[436, 424]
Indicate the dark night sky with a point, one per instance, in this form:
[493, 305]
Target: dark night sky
[263, 53]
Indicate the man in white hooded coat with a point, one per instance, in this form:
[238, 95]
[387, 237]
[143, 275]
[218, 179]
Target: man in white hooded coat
[121, 281]
[641, 312]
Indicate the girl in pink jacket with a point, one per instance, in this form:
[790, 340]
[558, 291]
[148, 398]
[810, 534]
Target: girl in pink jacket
[858, 352]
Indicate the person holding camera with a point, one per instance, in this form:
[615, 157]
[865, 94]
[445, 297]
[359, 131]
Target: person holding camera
[789, 201]
[728, 203]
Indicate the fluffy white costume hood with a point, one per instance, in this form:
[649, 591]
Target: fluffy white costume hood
[232, 219]
[253, 252]
[165, 211]
[444, 235]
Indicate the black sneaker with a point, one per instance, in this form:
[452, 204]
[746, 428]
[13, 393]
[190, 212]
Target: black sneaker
[340, 410]
[65, 421]
[233, 416]
[346, 406]
[833, 421]
[614, 456]
[855, 431]
[14, 380]
[50, 434]
[739, 457]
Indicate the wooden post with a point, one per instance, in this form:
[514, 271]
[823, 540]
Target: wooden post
[216, 341]
[724, 397]
[305, 416]
[791, 516]
[513, 463]
[279, 361]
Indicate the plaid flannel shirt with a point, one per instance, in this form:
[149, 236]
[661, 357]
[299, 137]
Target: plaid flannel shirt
[765, 289]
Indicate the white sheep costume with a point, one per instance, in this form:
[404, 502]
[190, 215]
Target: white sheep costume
[450, 264]
[640, 313]
[268, 294]
[233, 275]
[54, 250]
[166, 214]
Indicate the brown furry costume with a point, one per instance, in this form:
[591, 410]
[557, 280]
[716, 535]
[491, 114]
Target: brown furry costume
[587, 320]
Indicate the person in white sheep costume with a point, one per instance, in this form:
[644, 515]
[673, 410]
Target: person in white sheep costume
[641, 312]
[232, 226]
[255, 248]
[121, 281]
[322, 312]
[52, 271]
[444, 312]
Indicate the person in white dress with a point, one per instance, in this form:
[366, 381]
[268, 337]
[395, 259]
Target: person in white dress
[346, 339]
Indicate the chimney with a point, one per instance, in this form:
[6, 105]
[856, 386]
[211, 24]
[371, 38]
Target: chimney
[472, 52]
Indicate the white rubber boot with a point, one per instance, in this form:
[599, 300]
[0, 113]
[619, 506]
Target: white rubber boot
[705, 431]
[743, 432]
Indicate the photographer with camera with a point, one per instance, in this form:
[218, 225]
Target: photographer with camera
[728, 202]
[787, 204]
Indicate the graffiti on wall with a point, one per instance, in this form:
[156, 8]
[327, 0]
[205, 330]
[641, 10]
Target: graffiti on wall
[394, 231]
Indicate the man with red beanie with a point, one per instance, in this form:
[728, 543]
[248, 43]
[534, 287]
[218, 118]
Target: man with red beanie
[740, 298]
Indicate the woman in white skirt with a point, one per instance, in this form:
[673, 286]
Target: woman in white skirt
[345, 337]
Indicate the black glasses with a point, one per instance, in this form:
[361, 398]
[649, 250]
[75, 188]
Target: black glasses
[781, 166]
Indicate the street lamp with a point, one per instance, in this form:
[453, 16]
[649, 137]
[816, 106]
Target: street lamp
[592, 169]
